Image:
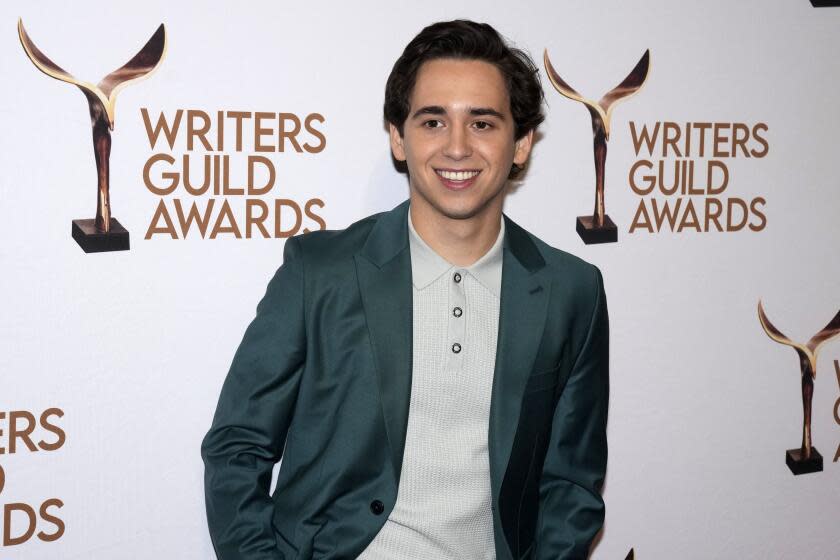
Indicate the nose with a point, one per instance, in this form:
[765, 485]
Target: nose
[458, 143]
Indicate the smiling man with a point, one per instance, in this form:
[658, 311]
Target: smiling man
[434, 378]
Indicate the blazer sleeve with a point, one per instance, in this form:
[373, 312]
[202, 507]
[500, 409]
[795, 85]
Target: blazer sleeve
[571, 510]
[252, 418]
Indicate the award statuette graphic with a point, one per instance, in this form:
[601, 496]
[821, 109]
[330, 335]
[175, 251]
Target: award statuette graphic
[599, 228]
[104, 233]
[806, 459]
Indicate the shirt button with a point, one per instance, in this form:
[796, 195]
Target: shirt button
[456, 347]
[377, 507]
[457, 311]
[457, 277]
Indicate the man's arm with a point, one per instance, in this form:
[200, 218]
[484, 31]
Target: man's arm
[252, 419]
[571, 509]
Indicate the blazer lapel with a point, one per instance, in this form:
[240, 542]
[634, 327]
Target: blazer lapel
[524, 302]
[383, 268]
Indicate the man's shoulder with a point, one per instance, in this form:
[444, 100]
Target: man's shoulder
[558, 260]
[574, 281]
[332, 246]
[572, 278]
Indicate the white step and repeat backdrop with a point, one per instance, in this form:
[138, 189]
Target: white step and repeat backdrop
[721, 176]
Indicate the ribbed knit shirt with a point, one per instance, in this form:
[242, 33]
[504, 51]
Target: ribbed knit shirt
[443, 508]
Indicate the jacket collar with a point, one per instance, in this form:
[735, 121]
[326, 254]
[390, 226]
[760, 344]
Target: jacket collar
[383, 269]
[389, 237]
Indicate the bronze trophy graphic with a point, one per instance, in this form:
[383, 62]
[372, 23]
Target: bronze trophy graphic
[806, 459]
[599, 228]
[104, 233]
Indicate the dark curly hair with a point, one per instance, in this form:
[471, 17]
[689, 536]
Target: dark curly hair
[466, 39]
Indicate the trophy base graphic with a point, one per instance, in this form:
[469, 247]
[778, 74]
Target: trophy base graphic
[93, 241]
[798, 465]
[591, 234]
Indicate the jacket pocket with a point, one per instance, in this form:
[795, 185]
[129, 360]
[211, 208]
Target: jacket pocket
[286, 547]
[542, 380]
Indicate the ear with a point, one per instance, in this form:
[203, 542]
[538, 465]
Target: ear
[522, 148]
[397, 140]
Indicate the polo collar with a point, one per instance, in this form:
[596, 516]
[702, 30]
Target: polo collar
[427, 265]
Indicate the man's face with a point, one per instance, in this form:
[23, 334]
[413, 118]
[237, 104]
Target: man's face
[458, 139]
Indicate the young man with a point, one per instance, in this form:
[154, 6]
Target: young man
[434, 377]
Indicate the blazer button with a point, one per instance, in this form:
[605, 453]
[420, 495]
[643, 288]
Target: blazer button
[377, 507]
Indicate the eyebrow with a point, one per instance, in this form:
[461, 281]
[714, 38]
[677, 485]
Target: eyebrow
[486, 111]
[474, 111]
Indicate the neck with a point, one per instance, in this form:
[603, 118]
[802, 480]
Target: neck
[459, 241]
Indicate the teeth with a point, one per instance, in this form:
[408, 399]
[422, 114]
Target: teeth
[457, 175]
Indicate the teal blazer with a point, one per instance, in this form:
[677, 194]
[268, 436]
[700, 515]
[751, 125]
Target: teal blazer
[322, 380]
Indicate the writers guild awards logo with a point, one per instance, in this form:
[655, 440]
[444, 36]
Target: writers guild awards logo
[599, 228]
[806, 459]
[104, 233]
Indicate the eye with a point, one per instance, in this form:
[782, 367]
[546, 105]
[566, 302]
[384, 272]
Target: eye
[432, 123]
[482, 125]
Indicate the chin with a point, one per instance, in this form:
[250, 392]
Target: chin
[461, 211]
[457, 206]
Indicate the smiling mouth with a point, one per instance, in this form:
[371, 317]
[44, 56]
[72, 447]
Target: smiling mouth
[457, 179]
[451, 175]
